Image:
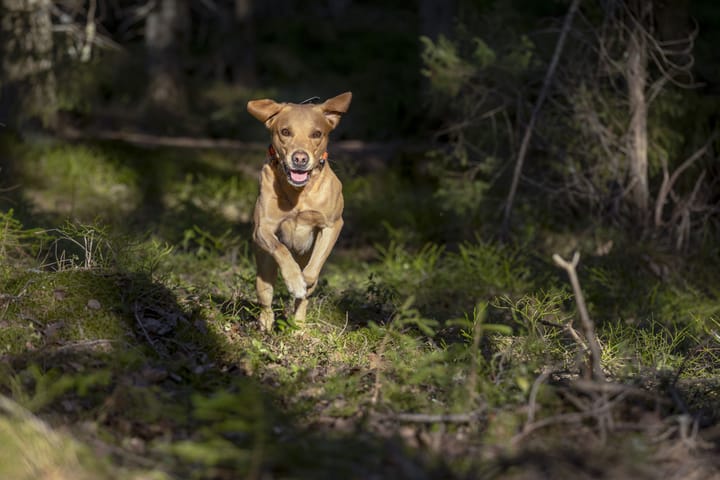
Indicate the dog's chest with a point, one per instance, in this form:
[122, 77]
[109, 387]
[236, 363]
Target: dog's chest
[298, 232]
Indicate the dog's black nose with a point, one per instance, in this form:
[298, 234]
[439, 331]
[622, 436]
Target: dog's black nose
[300, 158]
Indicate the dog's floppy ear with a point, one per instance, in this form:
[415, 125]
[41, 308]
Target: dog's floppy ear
[333, 108]
[264, 110]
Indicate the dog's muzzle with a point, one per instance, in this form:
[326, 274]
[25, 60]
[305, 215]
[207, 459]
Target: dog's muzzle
[297, 174]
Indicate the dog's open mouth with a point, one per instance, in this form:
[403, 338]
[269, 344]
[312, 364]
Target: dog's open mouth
[298, 177]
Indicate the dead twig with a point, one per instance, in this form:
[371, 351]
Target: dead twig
[573, 333]
[567, 418]
[532, 405]
[138, 319]
[378, 360]
[587, 323]
[669, 180]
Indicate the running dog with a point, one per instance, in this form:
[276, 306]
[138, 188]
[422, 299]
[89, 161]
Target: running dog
[298, 214]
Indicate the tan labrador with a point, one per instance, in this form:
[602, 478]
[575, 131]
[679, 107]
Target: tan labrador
[298, 214]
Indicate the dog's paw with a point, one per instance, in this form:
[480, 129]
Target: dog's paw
[296, 286]
[267, 319]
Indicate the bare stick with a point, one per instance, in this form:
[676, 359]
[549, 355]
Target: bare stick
[536, 110]
[378, 370]
[86, 345]
[570, 329]
[587, 323]
[434, 418]
[136, 311]
[532, 401]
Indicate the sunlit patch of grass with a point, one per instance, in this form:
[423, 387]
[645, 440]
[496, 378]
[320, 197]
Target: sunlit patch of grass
[631, 350]
[411, 268]
[16, 338]
[231, 198]
[687, 307]
[446, 284]
[68, 306]
[18, 246]
[79, 181]
[539, 321]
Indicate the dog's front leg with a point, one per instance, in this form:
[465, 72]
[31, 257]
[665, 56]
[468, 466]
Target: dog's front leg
[266, 239]
[324, 243]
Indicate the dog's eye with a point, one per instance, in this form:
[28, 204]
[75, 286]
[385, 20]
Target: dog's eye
[316, 134]
[285, 132]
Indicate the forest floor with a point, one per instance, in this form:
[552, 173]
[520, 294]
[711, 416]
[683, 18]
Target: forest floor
[129, 347]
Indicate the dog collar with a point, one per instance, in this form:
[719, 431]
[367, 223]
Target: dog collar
[273, 156]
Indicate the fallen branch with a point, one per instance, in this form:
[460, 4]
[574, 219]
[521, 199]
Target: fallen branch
[564, 418]
[592, 388]
[385, 149]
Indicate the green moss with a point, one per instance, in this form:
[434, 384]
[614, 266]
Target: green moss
[69, 306]
[16, 339]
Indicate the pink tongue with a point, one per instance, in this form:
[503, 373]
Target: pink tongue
[298, 177]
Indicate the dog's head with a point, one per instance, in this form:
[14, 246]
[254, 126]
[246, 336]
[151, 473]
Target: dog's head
[300, 133]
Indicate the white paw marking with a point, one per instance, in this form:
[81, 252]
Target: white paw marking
[297, 286]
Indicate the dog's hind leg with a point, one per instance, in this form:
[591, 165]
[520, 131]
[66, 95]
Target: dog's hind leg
[300, 310]
[267, 270]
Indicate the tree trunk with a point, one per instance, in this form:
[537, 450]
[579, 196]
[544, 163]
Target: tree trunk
[27, 79]
[165, 30]
[636, 77]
